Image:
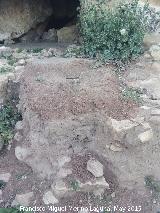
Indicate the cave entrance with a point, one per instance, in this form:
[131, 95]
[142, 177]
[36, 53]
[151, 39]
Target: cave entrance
[64, 14]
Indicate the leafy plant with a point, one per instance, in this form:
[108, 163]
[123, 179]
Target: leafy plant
[11, 60]
[152, 184]
[2, 184]
[8, 118]
[11, 210]
[132, 93]
[37, 50]
[75, 185]
[5, 69]
[74, 51]
[112, 33]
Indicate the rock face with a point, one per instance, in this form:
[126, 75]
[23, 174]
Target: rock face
[68, 34]
[23, 199]
[73, 108]
[51, 35]
[155, 52]
[49, 198]
[5, 177]
[67, 111]
[95, 167]
[27, 20]
[18, 17]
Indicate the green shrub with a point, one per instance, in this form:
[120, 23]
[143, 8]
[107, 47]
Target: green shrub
[152, 184]
[37, 50]
[11, 210]
[5, 69]
[112, 33]
[2, 184]
[11, 60]
[8, 118]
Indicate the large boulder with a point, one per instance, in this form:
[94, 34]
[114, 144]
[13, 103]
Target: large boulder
[68, 34]
[66, 112]
[18, 17]
[51, 35]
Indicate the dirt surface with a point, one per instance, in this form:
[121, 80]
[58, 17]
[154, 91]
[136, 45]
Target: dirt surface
[60, 94]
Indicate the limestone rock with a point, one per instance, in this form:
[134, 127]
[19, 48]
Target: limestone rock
[146, 126]
[34, 34]
[5, 177]
[101, 182]
[59, 188]
[122, 125]
[19, 125]
[146, 136]
[17, 18]
[62, 173]
[155, 112]
[63, 160]
[120, 128]
[113, 195]
[19, 68]
[49, 198]
[21, 153]
[59, 114]
[21, 62]
[95, 167]
[18, 137]
[99, 192]
[23, 199]
[51, 35]
[151, 39]
[67, 34]
[97, 184]
[5, 51]
[116, 148]
[46, 53]
[56, 52]
[155, 52]
[9, 42]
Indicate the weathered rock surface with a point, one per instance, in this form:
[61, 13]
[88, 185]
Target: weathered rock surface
[146, 136]
[21, 153]
[51, 35]
[95, 167]
[19, 125]
[71, 104]
[60, 189]
[151, 39]
[5, 177]
[18, 17]
[155, 52]
[49, 198]
[23, 199]
[68, 34]
[97, 184]
[5, 51]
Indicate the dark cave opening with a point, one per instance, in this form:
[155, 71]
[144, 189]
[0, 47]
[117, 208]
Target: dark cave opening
[64, 12]
[50, 15]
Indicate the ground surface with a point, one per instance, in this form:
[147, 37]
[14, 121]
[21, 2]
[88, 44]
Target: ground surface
[59, 88]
